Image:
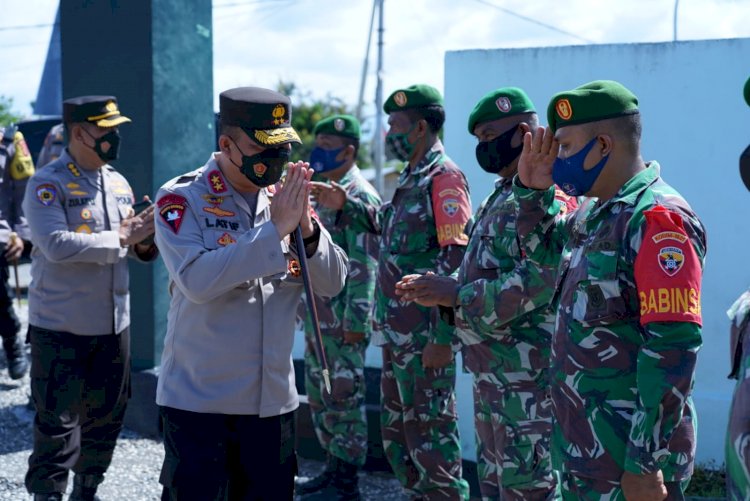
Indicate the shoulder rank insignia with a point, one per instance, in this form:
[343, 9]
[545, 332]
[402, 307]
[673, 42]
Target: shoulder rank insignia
[216, 181]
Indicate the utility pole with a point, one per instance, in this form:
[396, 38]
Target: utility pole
[366, 63]
[674, 21]
[379, 185]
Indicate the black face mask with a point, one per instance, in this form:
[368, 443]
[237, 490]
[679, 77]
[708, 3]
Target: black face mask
[745, 167]
[264, 168]
[113, 138]
[495, 155]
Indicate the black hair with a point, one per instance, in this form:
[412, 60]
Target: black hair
[434, 115]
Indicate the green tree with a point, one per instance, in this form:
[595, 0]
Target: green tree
[7, 115]
[307, 111]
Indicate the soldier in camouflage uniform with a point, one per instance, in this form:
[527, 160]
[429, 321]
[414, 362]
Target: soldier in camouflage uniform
[628, 324]
[737, 448]
[501, 309]
[422, 229]
[339, 418]
[16, 167]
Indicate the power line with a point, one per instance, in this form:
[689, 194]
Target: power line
[534, 21]
[26, 26]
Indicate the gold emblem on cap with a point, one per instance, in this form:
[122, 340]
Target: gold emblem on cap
[339, 124]
[278, 114]
[400, 98]
[110, 106]
[503, 104]
[259, 169]
[564, 110]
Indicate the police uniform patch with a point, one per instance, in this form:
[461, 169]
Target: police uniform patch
[216, 181]
[72, 186]
[564, 110]
[73, 169]
[85, 214]
[400, 98]
[294, 268]
[84, 228]
[218, 211]
[226, 239]
[212, 199]
[503, 104]
[46, 193]
[259, 169]
[22, 165]
[79, 193]
[172, 209]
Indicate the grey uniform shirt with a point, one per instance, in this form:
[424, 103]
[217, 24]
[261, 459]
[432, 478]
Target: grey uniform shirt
[79, 272]
[234, 292]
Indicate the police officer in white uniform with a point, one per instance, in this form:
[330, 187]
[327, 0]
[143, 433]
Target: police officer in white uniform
[227, 386]
[79, 210]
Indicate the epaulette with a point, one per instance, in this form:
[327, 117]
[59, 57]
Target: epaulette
[186, 179]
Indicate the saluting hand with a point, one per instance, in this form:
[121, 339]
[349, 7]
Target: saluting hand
[330, 196]
[290, 200]
[537, 158]
[137, 228]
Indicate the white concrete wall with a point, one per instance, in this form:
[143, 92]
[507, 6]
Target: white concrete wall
[696, 124]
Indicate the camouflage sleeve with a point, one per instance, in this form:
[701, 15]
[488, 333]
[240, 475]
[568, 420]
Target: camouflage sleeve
[666, 359]
[487, 305]
[361, 216]
[360, 282]
[541, 224]
[448, 260]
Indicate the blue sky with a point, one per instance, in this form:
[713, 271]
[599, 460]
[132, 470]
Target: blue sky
[320, 44]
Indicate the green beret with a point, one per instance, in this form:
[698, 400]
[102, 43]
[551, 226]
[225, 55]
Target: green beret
[338, 125]
[591, 102]
[415, 96]
[500, 103]
[747, 92]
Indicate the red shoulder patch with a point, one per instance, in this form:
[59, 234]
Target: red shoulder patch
[567, 203]
[667, 271]
[172, 209]
[452, 209]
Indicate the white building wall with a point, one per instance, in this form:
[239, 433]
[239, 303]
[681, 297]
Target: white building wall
[696, 124]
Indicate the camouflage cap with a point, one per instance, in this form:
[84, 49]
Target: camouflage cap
[591, 102]
[338, 125]
[414, 96]
[747, 92]
[500, 103]
[99, 110]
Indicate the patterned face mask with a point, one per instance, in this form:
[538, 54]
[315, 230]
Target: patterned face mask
[399, 145]
[264, 168]
[322, 160]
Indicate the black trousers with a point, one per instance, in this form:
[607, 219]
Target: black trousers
[217, 457]
[80, 387]
[9, 325]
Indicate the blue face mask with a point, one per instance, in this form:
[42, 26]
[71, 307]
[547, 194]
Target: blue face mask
[322, 160]
[571, 177]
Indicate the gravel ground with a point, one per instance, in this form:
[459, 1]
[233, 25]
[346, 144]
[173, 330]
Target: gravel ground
[134, 473]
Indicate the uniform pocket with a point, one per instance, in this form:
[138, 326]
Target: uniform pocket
[598, 302]
[434, 396]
